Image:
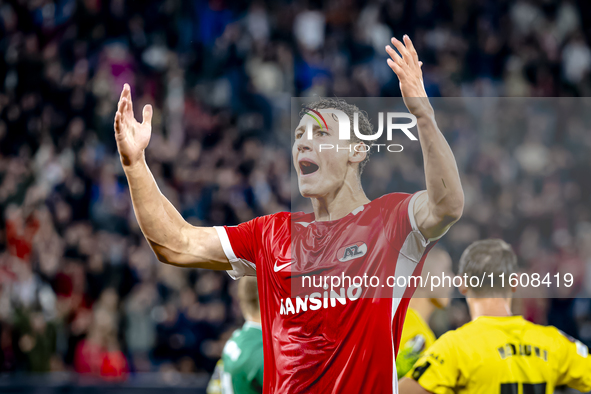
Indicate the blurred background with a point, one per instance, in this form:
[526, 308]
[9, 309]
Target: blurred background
[81, 294]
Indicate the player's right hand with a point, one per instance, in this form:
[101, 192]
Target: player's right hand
[132, 137]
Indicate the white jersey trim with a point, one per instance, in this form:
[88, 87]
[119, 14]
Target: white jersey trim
[241, 267]
[413, 222]
[395, 305]
[411, 252]
[411, 210]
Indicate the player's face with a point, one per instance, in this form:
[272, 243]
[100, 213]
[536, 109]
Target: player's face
[320, 168]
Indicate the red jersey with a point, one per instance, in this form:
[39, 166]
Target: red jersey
[330, 340]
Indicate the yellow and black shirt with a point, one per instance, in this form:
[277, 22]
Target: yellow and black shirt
[503, 355]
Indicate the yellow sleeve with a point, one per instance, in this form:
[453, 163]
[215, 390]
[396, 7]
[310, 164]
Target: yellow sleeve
[215, 384]
[437, 370]
[575, 366]
[409, 354]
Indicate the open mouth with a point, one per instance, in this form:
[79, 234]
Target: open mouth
[308, 167]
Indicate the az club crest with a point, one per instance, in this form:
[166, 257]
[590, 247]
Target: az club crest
[351, 252]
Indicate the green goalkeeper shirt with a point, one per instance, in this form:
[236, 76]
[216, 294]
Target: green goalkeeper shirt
[240, 370]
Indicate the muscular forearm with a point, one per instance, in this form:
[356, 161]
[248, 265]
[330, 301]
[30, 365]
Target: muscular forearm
[446, 198]
[158, 219]
[172, 239]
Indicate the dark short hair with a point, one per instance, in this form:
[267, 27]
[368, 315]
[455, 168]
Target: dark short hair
[248, 295]
[489, 256]
[365, 126]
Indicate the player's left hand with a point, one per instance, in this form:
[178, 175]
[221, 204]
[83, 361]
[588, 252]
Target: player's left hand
[408, 69]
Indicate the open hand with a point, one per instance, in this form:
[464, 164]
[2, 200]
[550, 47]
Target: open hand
[408, 70]
[132, 137]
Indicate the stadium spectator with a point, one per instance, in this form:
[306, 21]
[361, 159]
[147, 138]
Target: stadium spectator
[99, 354]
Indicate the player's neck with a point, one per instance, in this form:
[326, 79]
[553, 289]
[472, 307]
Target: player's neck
[253, 319]
[341, 202]
[423, 306]
[497, 307]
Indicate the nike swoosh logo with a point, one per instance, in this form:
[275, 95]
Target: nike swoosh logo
[282, 266]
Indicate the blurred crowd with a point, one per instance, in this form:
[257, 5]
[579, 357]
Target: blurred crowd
[79, 287]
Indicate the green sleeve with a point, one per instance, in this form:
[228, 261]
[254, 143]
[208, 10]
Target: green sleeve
[215, 383]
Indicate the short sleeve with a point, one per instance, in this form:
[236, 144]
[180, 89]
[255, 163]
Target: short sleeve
[437, 370]
[215, 383]
[399, 223]
[396, 208]
[575, 367]
[398, 211]
[240, 244]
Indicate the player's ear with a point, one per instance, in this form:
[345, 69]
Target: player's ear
[359, 152]
[513, 289]
[463, 290]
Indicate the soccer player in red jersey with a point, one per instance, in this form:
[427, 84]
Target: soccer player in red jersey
[331, 341]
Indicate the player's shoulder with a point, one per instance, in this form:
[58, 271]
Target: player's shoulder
[392, 198]
[544, 333]
[462, 334]
[250, 343]
[551, 334]
[453, 336]
[396, 201]
[284, 217]
[412, 318]
[245, 335]
[476, 328]
[414, 324]
[278, 219]
[252, 330]
[559, 341]
[487, 323]
[426, 332]
[278, 216]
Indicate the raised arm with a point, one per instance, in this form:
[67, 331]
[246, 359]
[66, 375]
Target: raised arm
[442, 205]
[173, 240]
